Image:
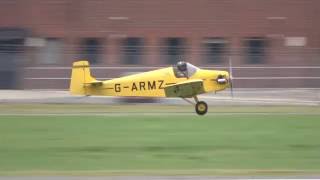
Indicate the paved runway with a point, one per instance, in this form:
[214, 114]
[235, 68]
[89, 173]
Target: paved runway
[241, 97]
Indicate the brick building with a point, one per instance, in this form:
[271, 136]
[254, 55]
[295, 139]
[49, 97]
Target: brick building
[39, 39]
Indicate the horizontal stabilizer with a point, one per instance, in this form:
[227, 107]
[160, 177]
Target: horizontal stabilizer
[94, 83]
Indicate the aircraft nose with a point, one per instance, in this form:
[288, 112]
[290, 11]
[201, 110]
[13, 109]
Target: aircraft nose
[223, 77]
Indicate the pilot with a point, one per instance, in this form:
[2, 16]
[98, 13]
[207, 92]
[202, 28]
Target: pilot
[182, 68]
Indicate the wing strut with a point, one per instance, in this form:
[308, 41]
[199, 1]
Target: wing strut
[189, 101]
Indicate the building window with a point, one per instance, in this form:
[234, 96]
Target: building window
[255, 50]
[173, 50]
[11, 46]
[51, 52]
[10, 58]
[91, 50]
[132, 48]
[214, 50]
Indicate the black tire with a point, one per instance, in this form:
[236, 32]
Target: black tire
[201, 108]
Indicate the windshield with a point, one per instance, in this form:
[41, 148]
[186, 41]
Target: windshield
[185, 72]
[191, 69]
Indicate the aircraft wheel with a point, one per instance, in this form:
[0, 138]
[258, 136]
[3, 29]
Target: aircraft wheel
[201, 108]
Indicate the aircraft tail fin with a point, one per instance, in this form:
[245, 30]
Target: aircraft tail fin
[80, 77]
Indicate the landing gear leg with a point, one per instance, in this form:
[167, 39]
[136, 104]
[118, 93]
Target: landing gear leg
[201, 107]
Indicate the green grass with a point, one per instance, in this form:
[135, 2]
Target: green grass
[153, 144]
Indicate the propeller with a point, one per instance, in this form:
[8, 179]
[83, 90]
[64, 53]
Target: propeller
[230, 77]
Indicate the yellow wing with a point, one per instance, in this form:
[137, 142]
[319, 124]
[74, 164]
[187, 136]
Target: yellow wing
[185, 89]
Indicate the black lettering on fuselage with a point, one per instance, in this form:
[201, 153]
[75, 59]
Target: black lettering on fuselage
[149, 85]
[152, 86]
[142, 85]
[117, 88]
[160, 84]
[134, 87]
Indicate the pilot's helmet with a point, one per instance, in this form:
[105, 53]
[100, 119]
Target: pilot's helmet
[182, 66]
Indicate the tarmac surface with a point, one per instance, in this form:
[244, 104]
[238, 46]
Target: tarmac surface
[293, 96]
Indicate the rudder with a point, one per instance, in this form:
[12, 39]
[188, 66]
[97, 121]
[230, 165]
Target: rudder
[79, 76]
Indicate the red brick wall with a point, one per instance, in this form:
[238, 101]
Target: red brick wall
[234, 20]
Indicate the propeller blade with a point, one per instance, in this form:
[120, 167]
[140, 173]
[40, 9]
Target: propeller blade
[230, 77]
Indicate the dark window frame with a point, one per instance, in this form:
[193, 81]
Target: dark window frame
[174, 49]
[132, 50]
[92, 49]
[255, 49]
[215, 49]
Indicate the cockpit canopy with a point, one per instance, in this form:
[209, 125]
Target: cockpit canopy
[184, 70]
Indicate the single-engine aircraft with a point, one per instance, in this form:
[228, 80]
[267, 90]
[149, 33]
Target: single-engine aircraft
[182, 80]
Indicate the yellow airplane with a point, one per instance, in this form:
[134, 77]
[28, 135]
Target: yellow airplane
[182, 80]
